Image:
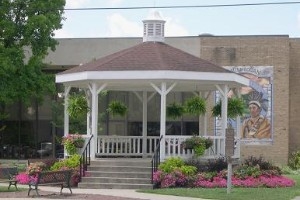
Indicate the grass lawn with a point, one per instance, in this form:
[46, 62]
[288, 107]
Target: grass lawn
[236, 193]
[12, 189]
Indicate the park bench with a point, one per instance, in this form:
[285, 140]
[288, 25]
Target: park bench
[61, 178]
[7, 175]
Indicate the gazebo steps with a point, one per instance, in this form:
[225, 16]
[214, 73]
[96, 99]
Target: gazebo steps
[118, 173]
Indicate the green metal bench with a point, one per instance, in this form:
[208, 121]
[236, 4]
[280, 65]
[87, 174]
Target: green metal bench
[7, 175]
[61, 178]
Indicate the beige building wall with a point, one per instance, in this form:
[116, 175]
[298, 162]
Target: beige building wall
[294, 119]
[74, 51]
[259, 51]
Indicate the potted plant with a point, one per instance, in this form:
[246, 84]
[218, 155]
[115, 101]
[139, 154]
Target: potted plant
[195, 106]
[236, 107]
[175, 110]
[198, 144]
[117, 108]
[71, 142]
[77, 106]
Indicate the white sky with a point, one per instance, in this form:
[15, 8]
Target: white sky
[246, 20]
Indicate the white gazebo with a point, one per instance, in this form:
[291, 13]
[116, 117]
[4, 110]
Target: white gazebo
[147, 68]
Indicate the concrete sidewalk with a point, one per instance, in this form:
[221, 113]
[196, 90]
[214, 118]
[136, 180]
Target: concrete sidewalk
[108, 192]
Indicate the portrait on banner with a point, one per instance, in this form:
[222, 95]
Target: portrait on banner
[256, 124]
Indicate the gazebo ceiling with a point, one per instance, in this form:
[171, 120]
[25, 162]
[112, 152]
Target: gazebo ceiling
[151, 62]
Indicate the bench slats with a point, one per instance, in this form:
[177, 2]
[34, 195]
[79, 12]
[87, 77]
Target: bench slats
[51, 178]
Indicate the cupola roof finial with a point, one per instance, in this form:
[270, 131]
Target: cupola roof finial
[154, 27]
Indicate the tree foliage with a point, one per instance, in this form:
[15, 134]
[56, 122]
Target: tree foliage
[26, 34]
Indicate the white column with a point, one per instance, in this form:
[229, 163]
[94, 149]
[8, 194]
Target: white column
[238, 129]
[88, 117]
[163, 91]
[95, 90]
[163, 120]
[145, 99]
[66, 114]
[94, 111]
[145, 120]
[223, 89]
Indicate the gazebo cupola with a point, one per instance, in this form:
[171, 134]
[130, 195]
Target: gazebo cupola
[154, 27]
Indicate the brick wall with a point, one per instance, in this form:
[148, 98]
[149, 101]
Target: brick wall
[294, 136]
[259, 51]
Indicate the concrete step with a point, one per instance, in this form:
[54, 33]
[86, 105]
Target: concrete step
[116, 180]
[122, 162]
[119, 174]
[129, 161]
[113, 186]
[107, 168]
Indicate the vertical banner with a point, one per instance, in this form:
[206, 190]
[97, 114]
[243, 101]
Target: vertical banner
[256, 125]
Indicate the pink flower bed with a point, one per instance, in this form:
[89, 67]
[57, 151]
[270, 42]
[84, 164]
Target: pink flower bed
[177, 179]
[24, 178]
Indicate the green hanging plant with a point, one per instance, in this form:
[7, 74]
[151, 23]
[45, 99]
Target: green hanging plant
[236, 107]
[77, 106]
[195, 105]
[117, 108]
[175, 110]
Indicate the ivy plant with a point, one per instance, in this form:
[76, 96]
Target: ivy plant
[117, 108]
[77, 106]
[195, 105]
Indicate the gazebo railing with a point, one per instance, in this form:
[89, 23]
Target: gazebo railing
[133, 146]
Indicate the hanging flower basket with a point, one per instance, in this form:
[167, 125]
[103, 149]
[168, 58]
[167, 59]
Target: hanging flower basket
[175, 110]
[77, 106]
[117, 108]
[195, 106]
[236, 107]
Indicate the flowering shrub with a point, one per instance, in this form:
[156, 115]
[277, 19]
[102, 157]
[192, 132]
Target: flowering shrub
[73, 141]
[35, 167]
[205, 180]
[23, 178]
[73, 163]
[173, 179]
[30, 175]
[174, 173]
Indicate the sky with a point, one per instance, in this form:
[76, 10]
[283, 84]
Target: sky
[243, 20]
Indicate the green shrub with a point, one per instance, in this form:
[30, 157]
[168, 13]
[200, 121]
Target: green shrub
[71, 163]
[213, 165]
[217, 165]
[170, 164]
[244, 171]
[207, 175]
[188, 170]
[263, 164]
[294, 160]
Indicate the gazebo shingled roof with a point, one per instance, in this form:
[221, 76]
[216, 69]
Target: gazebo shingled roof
[149, 56]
